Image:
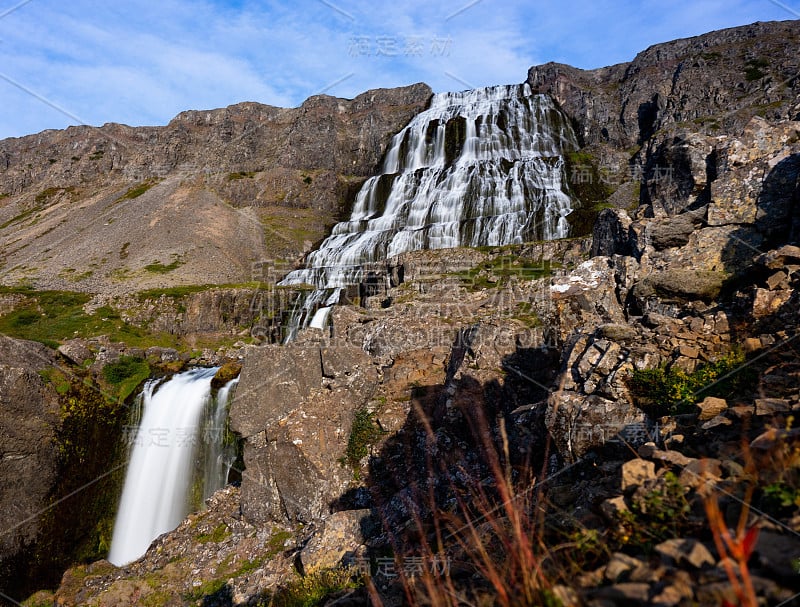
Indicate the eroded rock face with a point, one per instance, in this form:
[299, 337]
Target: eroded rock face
[29, 421]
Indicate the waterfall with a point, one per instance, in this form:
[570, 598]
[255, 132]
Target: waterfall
[483, 167]
[179, 417]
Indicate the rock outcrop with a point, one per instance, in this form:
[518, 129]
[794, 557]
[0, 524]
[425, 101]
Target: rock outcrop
[29, 422]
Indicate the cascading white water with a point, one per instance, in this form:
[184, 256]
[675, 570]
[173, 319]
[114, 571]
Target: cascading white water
[156, 494]
[219, 455]
[482, 167]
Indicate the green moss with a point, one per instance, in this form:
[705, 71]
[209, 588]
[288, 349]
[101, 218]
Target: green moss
[50, 193]
[589, 186]
[497, 271]
[60, 382]
[219, 533]
[363, 434]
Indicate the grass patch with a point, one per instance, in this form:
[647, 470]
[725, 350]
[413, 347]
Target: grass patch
[314, 588]
[126, 375]
[50, 193]
[160, 268]
[50, 317]
[241, 175]
[138, 190]
[672, 391]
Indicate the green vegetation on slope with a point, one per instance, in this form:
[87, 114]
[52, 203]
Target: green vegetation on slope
[50, 317]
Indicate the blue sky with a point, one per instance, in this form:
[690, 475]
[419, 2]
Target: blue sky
[141, 62]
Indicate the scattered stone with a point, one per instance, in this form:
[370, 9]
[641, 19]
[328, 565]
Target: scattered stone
[673, 458]
[635, 472]
[710, 407]
[613, 507]
[777, 280]
[771, 406]
[779, 258]
[619, 565]
[701, 472]
[751, 344]
[719, 420]
[686, 552]
[629, 593]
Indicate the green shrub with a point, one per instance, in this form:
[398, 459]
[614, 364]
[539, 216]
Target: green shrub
[661, 514]
[672, 391]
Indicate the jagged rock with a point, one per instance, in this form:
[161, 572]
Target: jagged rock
[700, 472]
[715, 422]
[225, 373]
[337, 541]
[628, 593]
[670, 83]
[672, 458]
[579, 422]
[274, 382]
[635, 472]
[779, 258]
[710, 407]
[686, 552]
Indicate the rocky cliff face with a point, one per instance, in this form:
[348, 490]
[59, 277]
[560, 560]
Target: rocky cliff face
[198, 201]
[711, 83]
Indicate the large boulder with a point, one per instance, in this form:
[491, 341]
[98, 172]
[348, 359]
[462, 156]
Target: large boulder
[294, 406]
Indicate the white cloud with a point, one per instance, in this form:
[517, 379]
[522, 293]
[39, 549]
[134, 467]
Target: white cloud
[141, 63]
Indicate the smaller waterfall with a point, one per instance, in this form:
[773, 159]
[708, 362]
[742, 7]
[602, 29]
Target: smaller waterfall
[219, 456]
[157, 492]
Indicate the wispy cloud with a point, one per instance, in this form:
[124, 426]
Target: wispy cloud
[141, 63]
